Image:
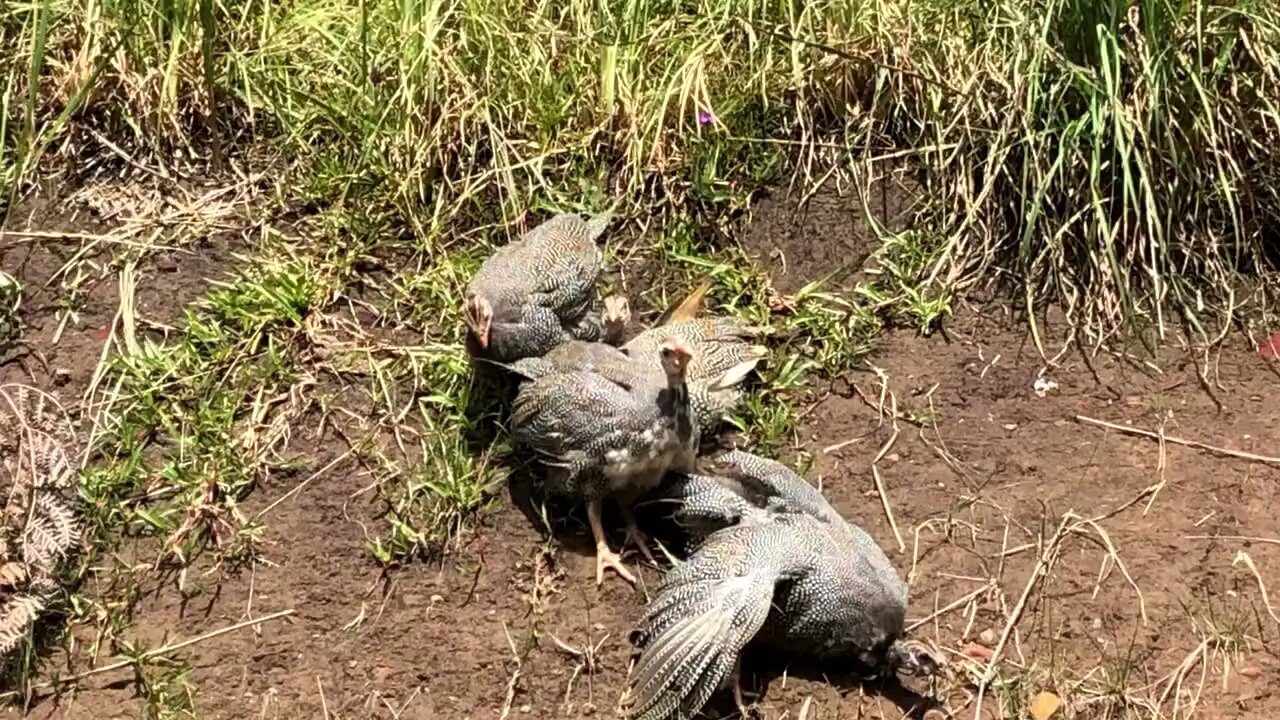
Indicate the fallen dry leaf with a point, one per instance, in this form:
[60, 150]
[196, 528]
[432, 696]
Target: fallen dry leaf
[1044, 705]
[1270, 350]
[977, 652]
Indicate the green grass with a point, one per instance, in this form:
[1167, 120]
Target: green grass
[1120, 161]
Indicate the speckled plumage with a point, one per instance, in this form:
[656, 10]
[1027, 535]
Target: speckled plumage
[712, 382]
[604, 431]
[541, 289]
[721, 345]
[777, 567]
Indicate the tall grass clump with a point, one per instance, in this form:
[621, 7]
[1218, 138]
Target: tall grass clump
[1119, 156]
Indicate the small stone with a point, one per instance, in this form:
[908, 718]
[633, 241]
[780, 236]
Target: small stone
[1096, 624]
[526, 709]
[893, 457]
[1010, 426]
[61, 376]
[987, 637]
[436, 599]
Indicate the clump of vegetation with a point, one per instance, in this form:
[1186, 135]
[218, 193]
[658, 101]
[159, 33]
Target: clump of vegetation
[10, 302]
[38, 525]
[1067, 142]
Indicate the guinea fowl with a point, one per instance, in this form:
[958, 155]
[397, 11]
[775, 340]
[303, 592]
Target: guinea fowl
[778, 567]
[722, 356]
[538, 291]
[611, 432]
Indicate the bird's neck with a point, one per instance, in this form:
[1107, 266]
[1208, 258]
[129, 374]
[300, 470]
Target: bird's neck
[677, 404]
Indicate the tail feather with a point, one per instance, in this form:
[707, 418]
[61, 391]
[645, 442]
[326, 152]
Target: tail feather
[736, 374]
[689, 308]
[693, 645]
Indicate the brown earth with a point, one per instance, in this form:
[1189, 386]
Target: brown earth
[981, 475]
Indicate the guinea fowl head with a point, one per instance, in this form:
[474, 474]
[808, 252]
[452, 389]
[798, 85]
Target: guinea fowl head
[477, 313]
[616, 315]
[675, 358]
[912, 658]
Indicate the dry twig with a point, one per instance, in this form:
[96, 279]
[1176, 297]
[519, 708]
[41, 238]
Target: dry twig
[1241, 454]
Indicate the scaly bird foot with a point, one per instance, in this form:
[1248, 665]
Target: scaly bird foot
[608, 558]
[637, 537]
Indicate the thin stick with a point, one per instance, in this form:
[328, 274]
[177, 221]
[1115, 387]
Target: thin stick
[888, 511]
[298, 488]
[1245, 538]
[962, 600]
[1268, 459]
[167, 649]
[1046, 560]
[1243, 557]
[324, 704]
[515, 676]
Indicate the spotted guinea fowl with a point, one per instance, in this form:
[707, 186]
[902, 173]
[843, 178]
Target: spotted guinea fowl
[538, 291]
[779, 568]
[603, 434]
[722, 356]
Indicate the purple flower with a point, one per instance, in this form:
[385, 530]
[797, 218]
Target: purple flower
[705, 117]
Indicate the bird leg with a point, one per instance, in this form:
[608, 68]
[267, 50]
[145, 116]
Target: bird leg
[735, 680]
[636, 536]
[605, 556]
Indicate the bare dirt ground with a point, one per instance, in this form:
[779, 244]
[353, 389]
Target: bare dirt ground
[1106, 567]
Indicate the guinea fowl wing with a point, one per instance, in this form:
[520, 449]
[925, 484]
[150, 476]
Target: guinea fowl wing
[766, 541]
[724, 353]
[596, 357]
[567, 263]
[705, 612]
[766, 479]
[769, 483]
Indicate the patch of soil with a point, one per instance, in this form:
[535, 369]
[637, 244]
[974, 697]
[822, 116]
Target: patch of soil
[978, 485]
[58, 248]
[984, 470]
[799, 239]
[450, 641]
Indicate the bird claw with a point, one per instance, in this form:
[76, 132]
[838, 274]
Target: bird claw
[637, 537]
[608, 558]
